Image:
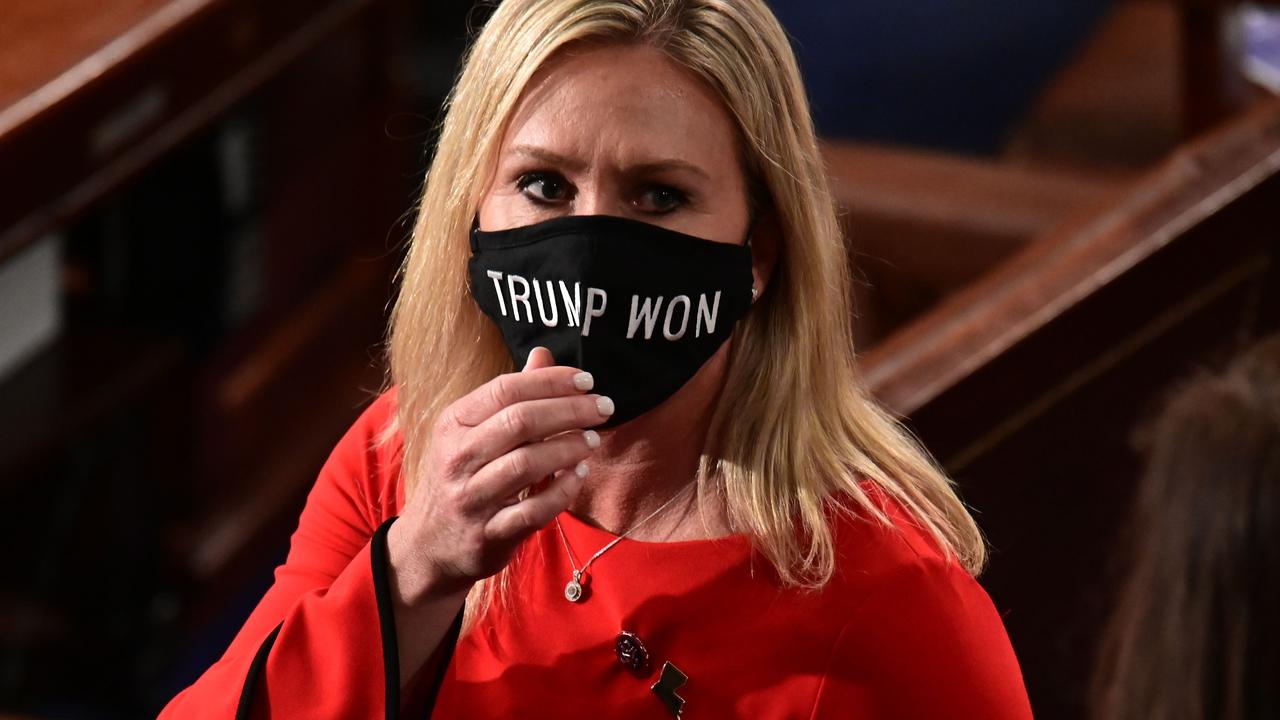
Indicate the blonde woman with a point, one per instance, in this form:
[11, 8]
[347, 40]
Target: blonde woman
[624, 466]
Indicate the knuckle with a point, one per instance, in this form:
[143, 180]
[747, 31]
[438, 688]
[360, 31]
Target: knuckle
[455, 416]
[519, 464]
[575, 449]
[446, 421]
[451, 500]
[515, 421]
[554, 383]
[563, 496]
[532, 520]
[457, 458]
[473, 544]
[465, 501]
[585, 411]
[521, 520]
[500, 391]
[493, 532]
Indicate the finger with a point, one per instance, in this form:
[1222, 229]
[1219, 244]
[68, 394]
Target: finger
[539, 357]
[511, 388]
[530, 421]
[518, 521]
[501, 479]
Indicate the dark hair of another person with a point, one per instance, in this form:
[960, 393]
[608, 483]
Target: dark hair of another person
[1195, 632]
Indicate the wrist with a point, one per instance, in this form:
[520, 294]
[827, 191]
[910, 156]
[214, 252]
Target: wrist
[416, 580]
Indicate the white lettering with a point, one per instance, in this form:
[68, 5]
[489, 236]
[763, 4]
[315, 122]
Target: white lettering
[592, 310]
[522, 297]
[684, 318]
[551, 300]
[497, 290]
[649, 314]
[572, 305]
[705, 314]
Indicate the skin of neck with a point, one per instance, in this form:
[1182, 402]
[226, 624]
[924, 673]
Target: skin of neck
[646, 461]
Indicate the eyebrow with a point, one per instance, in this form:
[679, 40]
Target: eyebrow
[554, 158]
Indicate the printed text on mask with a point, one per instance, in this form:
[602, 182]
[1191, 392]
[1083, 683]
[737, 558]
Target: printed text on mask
[551, 297]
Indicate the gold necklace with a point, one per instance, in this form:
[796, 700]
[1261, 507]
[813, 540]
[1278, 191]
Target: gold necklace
[573, 589]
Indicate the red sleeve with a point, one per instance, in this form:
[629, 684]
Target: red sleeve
[927, 644]
[317, 645]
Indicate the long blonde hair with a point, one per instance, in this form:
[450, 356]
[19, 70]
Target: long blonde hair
[795, 430]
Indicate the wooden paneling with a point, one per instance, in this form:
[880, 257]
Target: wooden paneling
[1028, 382]
[920, 225]
[221, 325]
[81, 121]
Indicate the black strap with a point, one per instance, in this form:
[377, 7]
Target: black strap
[475, 227]
[245, 707]
[387, 626]
[447, 646]
[386, 618]
[387, 623]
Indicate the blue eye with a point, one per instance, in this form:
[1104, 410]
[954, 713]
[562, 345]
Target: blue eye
[545, 188]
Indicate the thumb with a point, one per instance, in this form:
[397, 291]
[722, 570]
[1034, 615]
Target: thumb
[539, 357]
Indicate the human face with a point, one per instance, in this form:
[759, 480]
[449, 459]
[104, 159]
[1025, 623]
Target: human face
[620, 130]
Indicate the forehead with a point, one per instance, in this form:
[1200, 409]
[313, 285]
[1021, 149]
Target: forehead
[629, 101]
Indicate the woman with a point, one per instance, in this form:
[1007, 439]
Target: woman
[1195, 633]
[684, 503]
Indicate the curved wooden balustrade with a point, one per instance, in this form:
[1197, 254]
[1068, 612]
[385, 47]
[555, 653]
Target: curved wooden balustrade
[1029, 382]
[1176, 204]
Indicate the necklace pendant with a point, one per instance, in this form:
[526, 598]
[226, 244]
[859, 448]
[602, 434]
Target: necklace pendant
[573, 591]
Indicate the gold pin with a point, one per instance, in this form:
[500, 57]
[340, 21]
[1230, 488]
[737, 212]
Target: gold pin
[670, 681]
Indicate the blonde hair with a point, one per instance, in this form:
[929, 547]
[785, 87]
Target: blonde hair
[795, 430]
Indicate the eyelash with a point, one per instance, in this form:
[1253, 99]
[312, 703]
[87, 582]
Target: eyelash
[527, 179]
[680, 198]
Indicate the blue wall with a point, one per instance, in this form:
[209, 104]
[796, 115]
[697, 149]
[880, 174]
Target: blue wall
[942, 73]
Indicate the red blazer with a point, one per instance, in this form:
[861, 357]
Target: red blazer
[897, 633]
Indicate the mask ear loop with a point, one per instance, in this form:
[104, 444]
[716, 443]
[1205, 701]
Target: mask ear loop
[751, 228]
[475, 227]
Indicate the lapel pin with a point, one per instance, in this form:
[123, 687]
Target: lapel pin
[670, 681]
[631, 652]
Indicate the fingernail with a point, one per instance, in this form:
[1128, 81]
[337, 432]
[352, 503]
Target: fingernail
[528, 359]
[581, 470]
[583, 381]
[604, 405]
[593, 439]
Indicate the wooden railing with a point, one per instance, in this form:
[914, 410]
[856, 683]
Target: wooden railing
[152, 455]
[1028, 382]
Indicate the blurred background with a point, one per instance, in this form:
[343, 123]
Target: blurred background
[1057, 209]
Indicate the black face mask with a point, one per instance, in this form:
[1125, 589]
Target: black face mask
[638, 306]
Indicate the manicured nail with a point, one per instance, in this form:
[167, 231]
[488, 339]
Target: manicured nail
[604, 405]
[593, 439]
[583, 381]
[581, 470]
